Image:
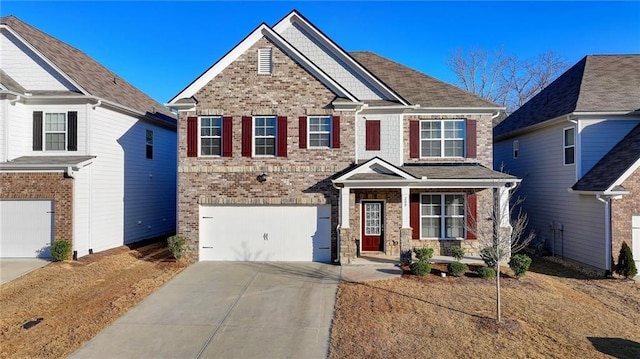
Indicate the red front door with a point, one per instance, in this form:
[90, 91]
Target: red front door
[372, 226]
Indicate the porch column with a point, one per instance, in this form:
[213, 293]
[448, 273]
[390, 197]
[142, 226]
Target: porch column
[344, 207]
[405, 231]
[503, 202]
[405, 207]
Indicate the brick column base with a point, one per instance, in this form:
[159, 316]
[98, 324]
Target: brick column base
[348, 250]
[405, 245]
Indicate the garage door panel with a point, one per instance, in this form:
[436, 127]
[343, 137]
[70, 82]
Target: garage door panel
[265, 233]
[26, 228]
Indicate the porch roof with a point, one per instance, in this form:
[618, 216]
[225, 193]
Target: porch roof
[47, 162]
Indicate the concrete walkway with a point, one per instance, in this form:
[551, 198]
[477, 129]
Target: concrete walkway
[228, 310]
[12, 268]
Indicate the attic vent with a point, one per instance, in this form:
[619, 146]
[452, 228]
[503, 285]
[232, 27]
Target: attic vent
[264, 61]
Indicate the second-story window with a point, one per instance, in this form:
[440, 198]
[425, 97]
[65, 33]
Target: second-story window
[55, 132]
[264, 135]
[569, 146]
[211, 136]
[442, 138]
[319, 131]
[149, 147]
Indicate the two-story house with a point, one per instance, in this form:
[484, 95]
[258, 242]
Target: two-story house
[84, 156]
[292, 149]
[576, 145]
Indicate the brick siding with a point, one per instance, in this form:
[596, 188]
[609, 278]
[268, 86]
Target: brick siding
[622, 210]
[43, 186]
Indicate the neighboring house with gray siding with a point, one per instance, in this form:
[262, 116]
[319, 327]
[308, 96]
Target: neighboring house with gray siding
[576, 146]
[292, 149]
[84, 156]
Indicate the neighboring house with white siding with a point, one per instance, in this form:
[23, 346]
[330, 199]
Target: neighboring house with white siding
[292, 149]
[576, 145]
[84, 156]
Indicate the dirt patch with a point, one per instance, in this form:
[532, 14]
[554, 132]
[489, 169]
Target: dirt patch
[65, 304]
[551, 313]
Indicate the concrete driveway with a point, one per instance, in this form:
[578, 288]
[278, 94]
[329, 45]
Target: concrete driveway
[12, 268]
[228, 310]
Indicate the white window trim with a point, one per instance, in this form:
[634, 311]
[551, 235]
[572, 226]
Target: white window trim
[265, 54]
[564, 146]
[516, 149]
[309, 146]
[200, 136]
[442, 138]
[253, 136]
[44, 131]
[443, 216]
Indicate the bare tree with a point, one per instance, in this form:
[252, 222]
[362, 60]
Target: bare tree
[506, 234]
[504, 79]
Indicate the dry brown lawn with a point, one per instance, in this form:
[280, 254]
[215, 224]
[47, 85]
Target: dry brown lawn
[76, 300]
[552, 312]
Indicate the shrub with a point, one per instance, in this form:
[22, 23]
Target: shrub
[60, 250]
[423, 254]
[421, 268]
[176, 245]
[519, 264]
[486, 272]
[457, 252]
[626, 265]
[457, 269]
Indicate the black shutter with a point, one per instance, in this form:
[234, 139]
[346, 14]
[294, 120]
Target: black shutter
[37, 130]
[72, 140]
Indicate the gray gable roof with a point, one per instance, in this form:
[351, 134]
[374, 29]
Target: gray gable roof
[613, 165]
[597, 83]
[416, 87]
[86, 72]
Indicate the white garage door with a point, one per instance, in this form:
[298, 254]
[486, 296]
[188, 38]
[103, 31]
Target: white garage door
[635, 238]
[26, 229]
[265, 233]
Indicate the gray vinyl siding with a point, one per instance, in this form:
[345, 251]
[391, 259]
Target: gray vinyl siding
[390, 138]
[598, 136]
[544, 187]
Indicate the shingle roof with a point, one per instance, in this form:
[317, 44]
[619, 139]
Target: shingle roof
[416, 87]
[454, 171]
[613, 165]
[45, 162]
[597, 83]
[87, 73]
[9, 83]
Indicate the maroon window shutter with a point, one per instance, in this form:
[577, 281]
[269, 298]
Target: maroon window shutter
[372, 135]
[227, 136]
[414, 215]
[302, 131]
[192, 137]
[472, 215]
[471, 139]
[414, 139]
[246, 136]
[282, 136]
[37, 130]
[335, 132]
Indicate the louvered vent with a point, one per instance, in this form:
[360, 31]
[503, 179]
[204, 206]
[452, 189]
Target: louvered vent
[264, 61]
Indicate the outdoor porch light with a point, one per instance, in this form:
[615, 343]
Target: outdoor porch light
[261, 177]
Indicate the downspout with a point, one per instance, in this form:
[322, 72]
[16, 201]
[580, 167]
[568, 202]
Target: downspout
[337, 260]
[18, 97]
[97, 104]
[607, 232]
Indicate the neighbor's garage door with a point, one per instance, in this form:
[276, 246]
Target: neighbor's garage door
[26, 228]
[265, 233]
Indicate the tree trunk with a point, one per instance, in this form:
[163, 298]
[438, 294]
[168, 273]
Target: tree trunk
[498, 314]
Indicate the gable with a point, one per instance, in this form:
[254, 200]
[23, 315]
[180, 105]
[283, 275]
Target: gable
[239, 86]
[28, 68]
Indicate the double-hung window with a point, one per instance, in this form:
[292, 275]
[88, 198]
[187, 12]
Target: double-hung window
[264, 135]
[569, 146]
[442, 215]
[319, 131]
[442, 138]
[55, 131]
[210, 136]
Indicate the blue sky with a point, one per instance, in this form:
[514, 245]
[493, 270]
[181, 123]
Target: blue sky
[161, 46]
